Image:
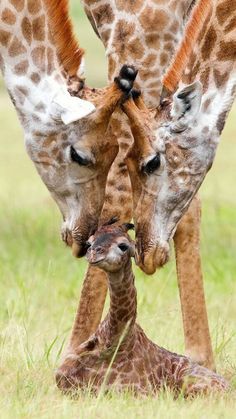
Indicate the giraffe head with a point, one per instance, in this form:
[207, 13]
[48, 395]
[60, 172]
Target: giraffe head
[110, 247]
[75, 158]
[175, 145]
[167, 164]
[66, 124]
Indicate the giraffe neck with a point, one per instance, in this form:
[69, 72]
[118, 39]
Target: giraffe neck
[141, 33]
[213, 63]
[29, 63]
[207, 54]
[123, 305]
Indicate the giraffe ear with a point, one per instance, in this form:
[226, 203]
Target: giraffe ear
[186, 106]
[71, 108]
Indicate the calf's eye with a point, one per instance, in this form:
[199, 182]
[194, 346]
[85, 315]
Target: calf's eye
[123, 247]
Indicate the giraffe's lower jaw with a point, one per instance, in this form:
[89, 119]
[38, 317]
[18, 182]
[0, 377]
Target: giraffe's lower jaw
[155, 258]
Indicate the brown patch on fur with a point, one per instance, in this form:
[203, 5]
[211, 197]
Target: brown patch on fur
[168, 37]
[43, 154]
[221, 121]
[124, 30]
[62, 30]
[206, 130]
[220, 79]
[111, 67]
[231, 25]
[39, 28]
[174, 27]
[8, 17]
[21, 68]
[103, 15]
[145, 74]
[129, 6]
[206, 105]
[227, 51]
[49, 141]
[35, 77]
[34, 6]
[152, 18]
[55, 151]
[154, 93]
[205, 75]
[222, 11]
[164, 59]
[50, 60]
[5, 38]
[38, 57]
[18, 4]
[193, 28]
[149, 61]
[153, 40]
[135, 49]
[154, 84]
[40, 107]
[16, 48]
[106, 35]
[209, 43]
[26, 28]
[23, 90]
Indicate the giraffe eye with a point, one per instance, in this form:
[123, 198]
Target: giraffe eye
[123, 247]
[77, 158]
[152, 165]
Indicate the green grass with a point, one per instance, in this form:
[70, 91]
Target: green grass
[40, 285]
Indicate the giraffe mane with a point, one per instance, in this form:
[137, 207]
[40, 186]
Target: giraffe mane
[67, 44]
[193, 28]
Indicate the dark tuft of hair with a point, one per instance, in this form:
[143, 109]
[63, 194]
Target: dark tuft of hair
[112, 220]
[128, 226]
[135, 93]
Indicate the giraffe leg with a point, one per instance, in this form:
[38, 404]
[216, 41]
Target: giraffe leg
[199, 381]
[195, 322]
[91, 305]
[87, 319]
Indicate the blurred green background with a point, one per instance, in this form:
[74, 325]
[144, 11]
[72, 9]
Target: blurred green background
[40, 281]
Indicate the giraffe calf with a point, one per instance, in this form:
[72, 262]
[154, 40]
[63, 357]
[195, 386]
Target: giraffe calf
[119, 355]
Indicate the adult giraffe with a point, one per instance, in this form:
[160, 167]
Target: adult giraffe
[199, 90]
[144, 33]
[41, 63]
[180, 138]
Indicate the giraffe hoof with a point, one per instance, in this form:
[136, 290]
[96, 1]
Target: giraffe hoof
[128, 72]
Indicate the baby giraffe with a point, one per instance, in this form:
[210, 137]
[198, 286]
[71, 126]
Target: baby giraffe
[119, 355]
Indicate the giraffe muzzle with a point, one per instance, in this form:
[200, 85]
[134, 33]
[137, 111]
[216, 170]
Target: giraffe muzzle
[156, 257]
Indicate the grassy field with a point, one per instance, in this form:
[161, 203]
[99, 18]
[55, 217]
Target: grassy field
[40, 284]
